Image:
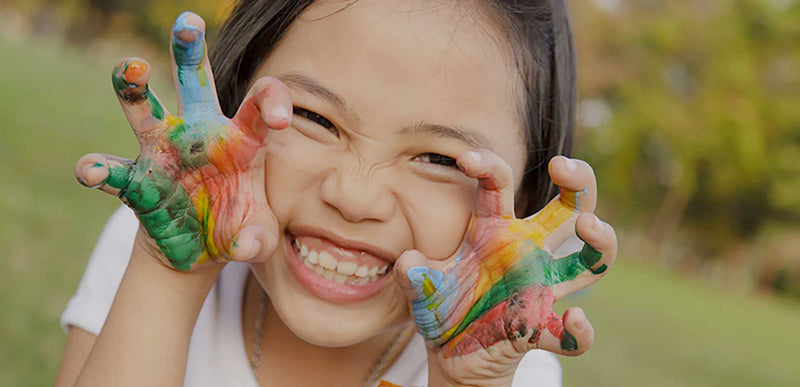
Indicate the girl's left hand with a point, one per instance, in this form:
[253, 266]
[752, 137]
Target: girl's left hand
[490, 303]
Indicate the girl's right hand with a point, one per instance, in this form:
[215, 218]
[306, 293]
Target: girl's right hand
[197, 186]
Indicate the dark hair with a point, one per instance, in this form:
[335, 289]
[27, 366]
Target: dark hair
[541, 42]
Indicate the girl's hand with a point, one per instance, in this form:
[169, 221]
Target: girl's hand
[482, 309]
[197, 186]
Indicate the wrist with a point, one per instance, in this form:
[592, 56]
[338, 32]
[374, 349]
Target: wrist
[147, 263]
[460, 376]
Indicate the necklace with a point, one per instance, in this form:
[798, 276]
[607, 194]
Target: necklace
[387, 358]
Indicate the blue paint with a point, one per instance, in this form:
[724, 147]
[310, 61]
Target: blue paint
[194, 88]
[430, 312]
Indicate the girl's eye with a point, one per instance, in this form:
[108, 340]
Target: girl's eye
[317, 119]
[437, 159]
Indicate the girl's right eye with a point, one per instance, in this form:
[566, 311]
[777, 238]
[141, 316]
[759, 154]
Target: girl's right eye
[317, 119]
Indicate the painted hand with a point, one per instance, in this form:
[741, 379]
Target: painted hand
[197, 186]
[484, 308]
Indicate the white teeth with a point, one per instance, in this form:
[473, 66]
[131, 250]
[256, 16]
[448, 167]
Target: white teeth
[346, 267]
[303, 251]
[325, 265]
[313, 257]
[327, 261]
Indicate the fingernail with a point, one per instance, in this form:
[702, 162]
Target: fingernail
[571, 165]
[279, 112]
[475, 156]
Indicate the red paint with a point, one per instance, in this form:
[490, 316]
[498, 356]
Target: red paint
[511, 319]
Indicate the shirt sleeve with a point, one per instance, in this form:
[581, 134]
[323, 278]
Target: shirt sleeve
[89, 307]
[538, 368]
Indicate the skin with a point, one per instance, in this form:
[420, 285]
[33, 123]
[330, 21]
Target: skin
[190, 166]
[380, 177]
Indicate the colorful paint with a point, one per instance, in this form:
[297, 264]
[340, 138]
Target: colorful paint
[182, 184]
[500, 286]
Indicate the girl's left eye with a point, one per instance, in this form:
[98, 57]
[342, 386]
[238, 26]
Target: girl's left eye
[316, 118]
[437, 159]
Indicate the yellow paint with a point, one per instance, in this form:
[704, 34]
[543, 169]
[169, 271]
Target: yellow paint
[204, 216]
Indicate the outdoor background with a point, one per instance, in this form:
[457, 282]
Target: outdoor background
[690, 115]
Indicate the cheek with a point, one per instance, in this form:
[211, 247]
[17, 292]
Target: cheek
[439, 216]
[291, 167]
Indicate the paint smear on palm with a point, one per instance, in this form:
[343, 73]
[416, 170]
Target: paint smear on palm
[186, 176]
[500, 286]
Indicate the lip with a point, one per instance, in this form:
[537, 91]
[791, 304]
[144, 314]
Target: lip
[327, 289]
[343, 242]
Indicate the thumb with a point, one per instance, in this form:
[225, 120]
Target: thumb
[410, 271]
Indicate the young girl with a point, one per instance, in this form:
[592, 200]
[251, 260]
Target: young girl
[366, 187]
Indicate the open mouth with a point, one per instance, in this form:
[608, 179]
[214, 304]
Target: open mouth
[337, 264]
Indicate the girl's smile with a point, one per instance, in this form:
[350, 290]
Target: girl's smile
[334, 268]
[367, 168]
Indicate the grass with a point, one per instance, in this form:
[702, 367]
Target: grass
[57, 104]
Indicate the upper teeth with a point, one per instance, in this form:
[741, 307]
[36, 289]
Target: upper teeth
[324, 264]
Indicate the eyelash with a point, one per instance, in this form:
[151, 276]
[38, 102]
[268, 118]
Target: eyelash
[432, 158]
[441, 160]
[317, 119]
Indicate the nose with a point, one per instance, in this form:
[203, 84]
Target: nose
[358, 197]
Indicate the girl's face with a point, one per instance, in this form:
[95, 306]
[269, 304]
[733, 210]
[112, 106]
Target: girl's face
[386, 95]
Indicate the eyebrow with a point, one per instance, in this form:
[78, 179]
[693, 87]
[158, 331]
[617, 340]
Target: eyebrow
[314, 87]
[475, 140]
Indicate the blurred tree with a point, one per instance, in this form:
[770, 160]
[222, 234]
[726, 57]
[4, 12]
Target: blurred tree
[704, 123]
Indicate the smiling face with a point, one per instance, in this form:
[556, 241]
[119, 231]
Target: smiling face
[386, 95]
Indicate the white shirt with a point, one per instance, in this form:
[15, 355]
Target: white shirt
[217, 355]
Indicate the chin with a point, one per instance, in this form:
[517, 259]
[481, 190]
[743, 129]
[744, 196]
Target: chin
[325, 311]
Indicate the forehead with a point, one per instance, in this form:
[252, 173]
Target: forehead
[397, 62]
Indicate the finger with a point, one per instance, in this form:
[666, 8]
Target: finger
[578, 194]
[432, 294]
[107, 173]
[570, 336]
[193, 78]
[579, 270]
[495, 182]
[142, 108]
[268, 105]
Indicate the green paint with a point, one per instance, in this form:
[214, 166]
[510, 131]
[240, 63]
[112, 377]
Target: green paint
[568, 342]
[156, 109]
[118, 177]
[571, 266]
[516, 279]
[164, 208]
[132, 92]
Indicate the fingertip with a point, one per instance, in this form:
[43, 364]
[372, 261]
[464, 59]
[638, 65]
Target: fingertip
[598, 234]
[90, 171]
[248, 247]
[137, 71]
[188, 27]
[578, 334]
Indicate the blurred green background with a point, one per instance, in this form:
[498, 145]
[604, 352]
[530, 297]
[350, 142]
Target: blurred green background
[690, 114]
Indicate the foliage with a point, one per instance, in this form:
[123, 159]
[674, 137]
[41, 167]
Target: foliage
[702, 126]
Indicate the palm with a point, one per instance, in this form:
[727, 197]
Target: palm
[198, 180]
[493, 301]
